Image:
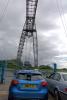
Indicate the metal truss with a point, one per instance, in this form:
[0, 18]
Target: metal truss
[29, 30]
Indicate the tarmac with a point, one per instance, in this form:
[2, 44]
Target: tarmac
[4, 89]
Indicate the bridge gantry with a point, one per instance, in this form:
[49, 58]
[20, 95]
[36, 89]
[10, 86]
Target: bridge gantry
[29, 30]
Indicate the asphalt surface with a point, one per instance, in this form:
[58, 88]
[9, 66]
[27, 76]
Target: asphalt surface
[4, 96]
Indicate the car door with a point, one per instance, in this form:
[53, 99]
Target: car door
[50, 82]
[55, 82]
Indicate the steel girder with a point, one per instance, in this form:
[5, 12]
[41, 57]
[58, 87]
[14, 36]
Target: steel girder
[29, 30]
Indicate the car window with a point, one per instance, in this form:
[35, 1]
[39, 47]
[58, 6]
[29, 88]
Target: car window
[23, 76]
[57, 77]
[36, 77]
[65, 77]
[29, 77]
[51, 76]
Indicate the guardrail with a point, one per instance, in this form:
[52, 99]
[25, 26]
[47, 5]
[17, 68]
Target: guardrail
[9, 73]
[1, 75]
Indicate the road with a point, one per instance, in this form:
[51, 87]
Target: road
[4, 96]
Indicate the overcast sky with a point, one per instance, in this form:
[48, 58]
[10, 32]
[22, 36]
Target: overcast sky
[51, 21]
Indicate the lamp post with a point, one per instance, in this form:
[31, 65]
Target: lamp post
[55, 67]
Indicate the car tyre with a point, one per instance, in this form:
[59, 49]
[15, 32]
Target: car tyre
[56, 93]
[46, 97]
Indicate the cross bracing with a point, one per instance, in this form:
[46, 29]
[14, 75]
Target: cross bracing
[29, 30]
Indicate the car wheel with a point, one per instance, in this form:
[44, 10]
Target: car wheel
[57, 97]
[46, 97]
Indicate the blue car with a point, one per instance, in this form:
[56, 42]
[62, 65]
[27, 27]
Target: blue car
[28, 84]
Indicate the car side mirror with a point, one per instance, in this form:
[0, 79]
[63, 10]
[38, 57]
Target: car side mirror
[47, 77]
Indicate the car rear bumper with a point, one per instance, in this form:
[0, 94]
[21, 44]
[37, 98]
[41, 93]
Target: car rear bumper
[36, 98]
[42, 94]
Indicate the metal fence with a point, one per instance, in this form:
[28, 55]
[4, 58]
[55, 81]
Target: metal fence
[0, 74]
[2, 70]
[9, 74]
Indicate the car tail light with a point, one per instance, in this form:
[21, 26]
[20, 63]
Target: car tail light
[44, 84]
[65, 90]
[14, 82]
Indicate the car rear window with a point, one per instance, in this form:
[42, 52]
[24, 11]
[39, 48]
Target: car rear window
[32, 77]
[65, 77]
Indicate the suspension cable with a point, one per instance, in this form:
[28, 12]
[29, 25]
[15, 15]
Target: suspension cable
[4, 11]
[60, 14]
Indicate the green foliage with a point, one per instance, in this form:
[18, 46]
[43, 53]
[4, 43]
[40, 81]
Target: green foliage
[13, 65]
[62, 70]
[45, 67]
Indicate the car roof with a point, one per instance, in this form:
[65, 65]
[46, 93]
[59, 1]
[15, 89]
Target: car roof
[62, 72]
[59, 73]
[28, 72]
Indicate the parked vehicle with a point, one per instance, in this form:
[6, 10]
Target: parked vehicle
[57, 84]
[28, 84]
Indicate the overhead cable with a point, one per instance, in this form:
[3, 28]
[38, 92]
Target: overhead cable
[60, 14]
[62, 10]
[4, 11]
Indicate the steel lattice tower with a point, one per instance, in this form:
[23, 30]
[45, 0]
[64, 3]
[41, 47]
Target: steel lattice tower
[29, 30]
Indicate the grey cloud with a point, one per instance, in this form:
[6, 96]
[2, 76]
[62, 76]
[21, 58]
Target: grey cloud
[12, 24]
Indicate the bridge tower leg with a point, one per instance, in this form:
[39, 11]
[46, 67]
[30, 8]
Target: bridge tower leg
[29, 30]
